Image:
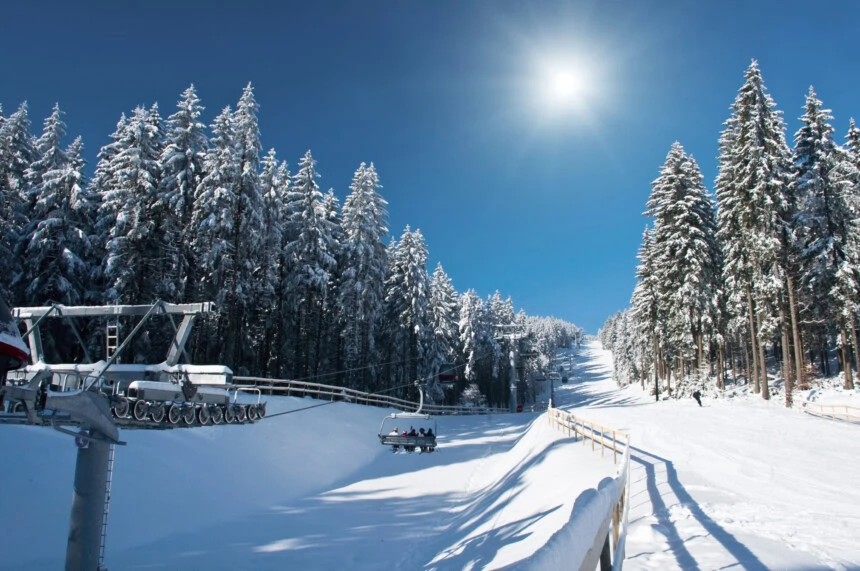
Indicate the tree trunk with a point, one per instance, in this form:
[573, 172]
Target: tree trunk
[786, 357]
[753, 340]
[854, 342]
[656, 368]
[846, 359]
[795, 328]
[765, 390]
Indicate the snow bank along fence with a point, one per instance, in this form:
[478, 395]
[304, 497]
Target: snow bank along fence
[832, 411]
[600, 514]
[286, 387]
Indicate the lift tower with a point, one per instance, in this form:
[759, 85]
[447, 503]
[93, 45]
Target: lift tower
[92, 400]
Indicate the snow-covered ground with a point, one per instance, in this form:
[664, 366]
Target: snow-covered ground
[735, 484]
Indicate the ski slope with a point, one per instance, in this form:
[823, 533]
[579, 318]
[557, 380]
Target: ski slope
[736, 484]
[308, 490]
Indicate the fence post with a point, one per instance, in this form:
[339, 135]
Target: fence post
[614, 449]
[591, 427]
[602, 441]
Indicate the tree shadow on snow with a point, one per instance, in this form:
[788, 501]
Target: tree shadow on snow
[354, 530]
[746, 559]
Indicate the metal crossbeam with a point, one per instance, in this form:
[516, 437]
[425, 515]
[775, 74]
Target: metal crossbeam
[110, 310]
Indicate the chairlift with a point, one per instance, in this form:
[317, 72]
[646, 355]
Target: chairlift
[447, 375]
[394, 432]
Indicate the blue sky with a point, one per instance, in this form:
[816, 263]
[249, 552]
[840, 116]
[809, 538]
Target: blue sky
[447, 98]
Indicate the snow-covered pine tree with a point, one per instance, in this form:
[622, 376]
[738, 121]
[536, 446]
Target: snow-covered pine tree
[312, 254]
[407, 298]
[849, 274]
[103, 218]
[645, 306]
[687, 259]
[470, 310]
[57, 252]
[444, 312]
[16, 154]
[362, 278]
[182, 167]
[134, 268]
[265, 327]
[751, 193]
[822, 222]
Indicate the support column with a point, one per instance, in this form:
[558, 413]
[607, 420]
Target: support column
[88, 505]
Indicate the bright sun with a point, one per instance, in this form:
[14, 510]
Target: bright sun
[564, 84]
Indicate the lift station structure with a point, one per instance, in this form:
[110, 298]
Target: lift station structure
[91, 400]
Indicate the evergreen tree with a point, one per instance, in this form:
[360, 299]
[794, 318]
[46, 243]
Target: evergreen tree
[57, 251]
[362, 281]
[313, 263]
[444, 312]
[134, 268]
[182, 167]
[407, 298]
[16, 155]
[823, 221]
[751, 192]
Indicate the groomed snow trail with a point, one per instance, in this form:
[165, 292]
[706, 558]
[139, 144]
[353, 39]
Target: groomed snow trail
[310, 490]
[740, 484]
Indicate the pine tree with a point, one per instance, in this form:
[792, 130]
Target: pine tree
[751, 193]
[182, 167]
[444, 312]
[823, 221]
[313, 263]
[16, 155]
[57, 251]
[134, 270]
[362, 282]
[407, 298]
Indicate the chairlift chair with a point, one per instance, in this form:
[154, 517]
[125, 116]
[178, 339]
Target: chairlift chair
[447, 375]
[393, 427]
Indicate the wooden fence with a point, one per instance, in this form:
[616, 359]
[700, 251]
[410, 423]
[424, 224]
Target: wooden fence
[286, 387]
[610, 537]
[832, 411]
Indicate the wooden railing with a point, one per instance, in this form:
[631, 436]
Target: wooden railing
[614, 440]
[832, 411]
[286, 387]
[611, 498]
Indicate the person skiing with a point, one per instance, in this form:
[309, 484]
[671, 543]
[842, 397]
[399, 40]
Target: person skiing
[698, 396]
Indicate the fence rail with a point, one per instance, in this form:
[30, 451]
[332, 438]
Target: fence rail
[844, 412]
[613, 495]
[287, 387]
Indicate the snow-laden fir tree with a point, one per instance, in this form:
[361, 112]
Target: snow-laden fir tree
[48, 154]
[212, 217]
[823, 223]
[686, 261]
[56, 249]
[645, 307]
[362, 278]
[408, 302]
[469, 325]
[273, 187]
[313, 262]
[848, 276]
[16, 155]
[444, 312]
[182, 169]
[751, 194]
[134, 269]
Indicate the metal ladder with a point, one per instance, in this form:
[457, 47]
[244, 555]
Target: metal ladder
[103, 539]
[112, 338]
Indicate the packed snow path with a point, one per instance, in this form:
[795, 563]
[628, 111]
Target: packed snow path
[310, 490]
[735, 484]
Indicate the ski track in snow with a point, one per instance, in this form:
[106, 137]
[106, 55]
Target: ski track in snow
[737, 484]
[724, 491]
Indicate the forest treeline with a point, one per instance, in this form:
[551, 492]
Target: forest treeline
[769, 270]
[304, 287]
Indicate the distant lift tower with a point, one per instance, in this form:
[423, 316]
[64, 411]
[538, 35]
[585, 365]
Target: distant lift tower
[91, 400]
[516, 335]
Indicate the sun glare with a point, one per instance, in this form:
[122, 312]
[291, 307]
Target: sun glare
[565, 87]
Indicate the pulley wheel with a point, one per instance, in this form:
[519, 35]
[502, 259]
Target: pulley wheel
[140, 409]
[217, 414]
[229, 415]
[188, 414]
[156, 412]
[203, 415]
[174, 413]
[120, 407]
